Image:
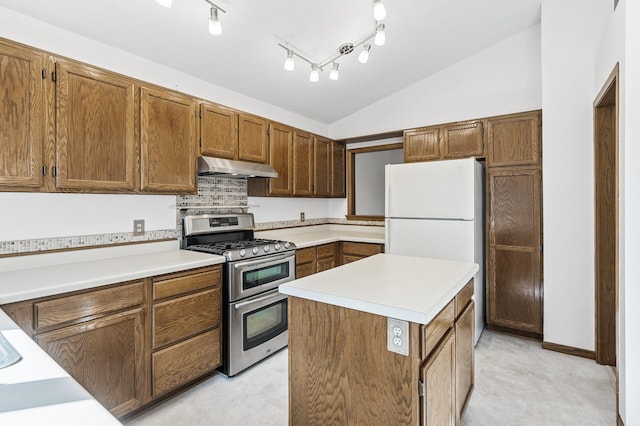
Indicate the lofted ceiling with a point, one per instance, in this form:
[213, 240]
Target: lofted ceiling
[423, 37]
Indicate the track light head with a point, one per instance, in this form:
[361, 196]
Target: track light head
[333, 74]
[289, 64]
[164, 3]
[363, 57]
[215, 27]
[380, 37]
[379, 11]
[314, 75]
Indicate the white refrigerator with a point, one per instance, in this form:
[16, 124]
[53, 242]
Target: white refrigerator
[436, 209]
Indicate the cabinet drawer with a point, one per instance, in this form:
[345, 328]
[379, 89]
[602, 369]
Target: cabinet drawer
[463, 297]
[327, 250]
[438, 327]
[305, 269]
[361, 249]
[305, 255]
[185, 316]
[188, 360]
[348, 259]
[186, 282]
[70, 308]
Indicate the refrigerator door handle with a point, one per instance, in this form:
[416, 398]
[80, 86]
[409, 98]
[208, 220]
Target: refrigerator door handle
[387, 241]
[387, 193]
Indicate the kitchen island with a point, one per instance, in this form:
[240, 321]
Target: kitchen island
[385, 340]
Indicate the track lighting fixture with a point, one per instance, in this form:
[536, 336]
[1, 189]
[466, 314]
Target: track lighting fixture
[215, 27]
[380, 37]
[289, 65]
[379, 11]
[314, 75]
[363, 57]
[164, 3]
[333, 74]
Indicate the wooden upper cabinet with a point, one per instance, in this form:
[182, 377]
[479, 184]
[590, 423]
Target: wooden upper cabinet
[302, 163]
[514, 286]
[21, 117]
[167, 141]
[95, 131]
[338, 170]
[322, 166]
[462, 140]
[281, 159]
[218, 131]
[514, 140]
[253, 139]
[422, 144]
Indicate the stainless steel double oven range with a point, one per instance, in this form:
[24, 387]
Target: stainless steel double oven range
[254, 312]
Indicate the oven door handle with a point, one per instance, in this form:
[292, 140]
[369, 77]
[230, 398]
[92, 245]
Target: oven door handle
[275, 295]
[261, 261]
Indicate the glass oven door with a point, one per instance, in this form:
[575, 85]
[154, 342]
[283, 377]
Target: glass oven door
[259, 275]
[257, 328]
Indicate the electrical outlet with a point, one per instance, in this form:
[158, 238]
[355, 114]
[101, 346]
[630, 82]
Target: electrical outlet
[301, 216]
[398, 336]
[138, 227]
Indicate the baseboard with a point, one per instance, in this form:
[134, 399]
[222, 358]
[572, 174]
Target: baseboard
[569, 350]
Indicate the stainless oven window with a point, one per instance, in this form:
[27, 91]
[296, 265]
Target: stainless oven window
[261, 276]
[261, 325]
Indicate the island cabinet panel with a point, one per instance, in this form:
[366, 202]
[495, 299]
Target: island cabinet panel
[514, 140]
[218, 131]
[105, 356]
[22, 119]
[322, 167]
[438, 378]
[514, 286]
[333, 382]
[167, 141]
[253, 139]
[338, 170]
[422, 144]
[95, 130]
[302, 163]
[465, 365]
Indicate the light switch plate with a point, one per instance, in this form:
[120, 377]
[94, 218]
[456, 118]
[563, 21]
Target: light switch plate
[398, 336]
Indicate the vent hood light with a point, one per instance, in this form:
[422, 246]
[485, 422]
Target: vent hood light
[212, 166]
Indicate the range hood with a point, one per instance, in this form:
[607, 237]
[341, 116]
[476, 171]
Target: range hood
[212, 166]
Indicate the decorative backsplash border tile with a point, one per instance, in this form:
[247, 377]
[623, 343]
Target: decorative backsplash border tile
[83, 241]
[309, 222]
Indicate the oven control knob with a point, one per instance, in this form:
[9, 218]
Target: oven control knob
[243, 253]
[286, 245]
[277, 246]
[254, 250]
[266, 249]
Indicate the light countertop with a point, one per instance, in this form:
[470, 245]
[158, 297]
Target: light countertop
[39, 281]
[408, 288]
[37, 391]
[308, 236]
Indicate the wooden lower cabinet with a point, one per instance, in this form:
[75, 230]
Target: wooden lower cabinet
[311, 260]
[352, 251]
[129, 343]
[105, 356]
[305, 262]
[332, 382]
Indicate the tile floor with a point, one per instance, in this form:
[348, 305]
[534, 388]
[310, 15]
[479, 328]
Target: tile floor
[517, 383]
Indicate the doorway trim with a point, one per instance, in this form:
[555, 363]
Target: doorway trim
[606, 217]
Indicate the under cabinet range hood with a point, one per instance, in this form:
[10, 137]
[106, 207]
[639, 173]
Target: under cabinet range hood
[212, 166]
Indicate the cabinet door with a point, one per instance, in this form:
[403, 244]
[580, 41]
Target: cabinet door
[462, 140]
[167, 141]
[514, 140]
[95, 133]
[281, 159]
[422, 144]
[21, 117]
[322, 167]
[438, 401]
[465, 329]
[338, 170]
[218, 131]
[252, 138]
[514, 295]
[105, 356]
[302, 163]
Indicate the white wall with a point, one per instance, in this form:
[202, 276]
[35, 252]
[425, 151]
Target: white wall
[501, 79]
[276, 209]
[21, 216]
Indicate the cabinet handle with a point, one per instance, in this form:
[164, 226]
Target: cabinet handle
[44, 170]
[54, 171]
